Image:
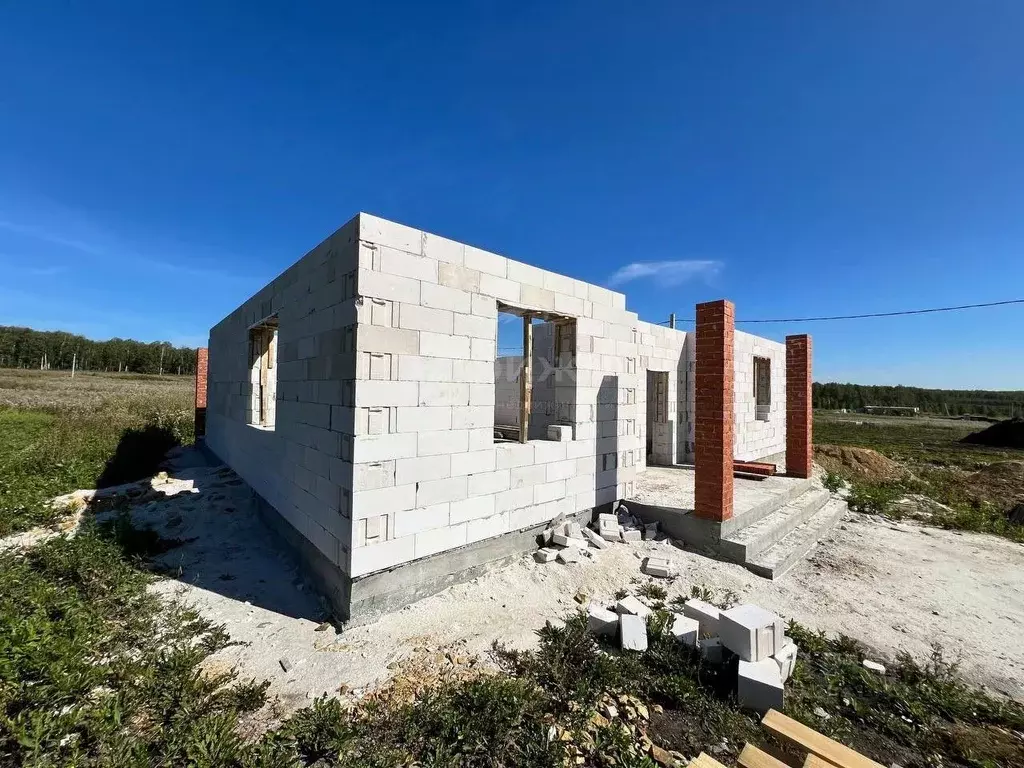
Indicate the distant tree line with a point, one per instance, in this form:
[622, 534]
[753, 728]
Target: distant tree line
[952, 402]
[55, 350]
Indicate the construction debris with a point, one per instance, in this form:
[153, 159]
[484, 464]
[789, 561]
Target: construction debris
[705, 613]
[566, 534]
[747, 635]
[874, 666]
[632, 632]
[545, 555]
[750, 632]
[659, 567]
[631, 606]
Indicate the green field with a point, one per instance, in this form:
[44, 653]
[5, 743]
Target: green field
[976, 485]
[58, 434]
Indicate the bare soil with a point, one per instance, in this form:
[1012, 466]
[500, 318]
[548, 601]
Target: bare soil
[858, 463]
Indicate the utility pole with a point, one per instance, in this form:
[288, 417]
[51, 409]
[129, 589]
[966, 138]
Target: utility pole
[74, 359]
[161, 359]
[672, 320]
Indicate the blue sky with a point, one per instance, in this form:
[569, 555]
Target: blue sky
[161, 161]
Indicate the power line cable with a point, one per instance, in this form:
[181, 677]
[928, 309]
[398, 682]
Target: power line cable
[876, 314]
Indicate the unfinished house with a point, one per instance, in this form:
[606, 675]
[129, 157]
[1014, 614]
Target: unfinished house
[363, 397]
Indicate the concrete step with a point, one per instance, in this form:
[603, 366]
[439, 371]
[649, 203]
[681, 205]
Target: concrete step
[748, 542]
[773, 498]
[776, 560]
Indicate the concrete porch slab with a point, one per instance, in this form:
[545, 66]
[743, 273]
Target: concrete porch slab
[665, 495]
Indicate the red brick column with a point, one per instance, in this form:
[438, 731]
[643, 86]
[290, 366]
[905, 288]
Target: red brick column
[715, 395]
[202, 363]
[798, 406]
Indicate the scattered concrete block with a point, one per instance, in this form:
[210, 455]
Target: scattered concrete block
[685, 630]
[572, 529]
[658, 566]
[569, 555]
[631, 534]
[594, 539]
[632, 632]
[711, 650]
[751, 632]
[546, 536]
[601, 621]
[630, 605]
[559, 432]
[785, 657]
[705, 613]
[608, 535]
[286, 665]
[563, 540]
[874, 666]
[650, 531]
[545, 555]
[607, 519]
[759, 686]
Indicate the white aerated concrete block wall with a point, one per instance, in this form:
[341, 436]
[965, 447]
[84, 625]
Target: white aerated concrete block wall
[754, 438]
[384, 451]
[302, 466]
[426, 463]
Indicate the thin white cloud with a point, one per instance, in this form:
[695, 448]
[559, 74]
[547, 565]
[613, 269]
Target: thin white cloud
[665, 273]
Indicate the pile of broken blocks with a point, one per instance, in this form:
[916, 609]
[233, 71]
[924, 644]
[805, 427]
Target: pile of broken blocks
[766, 655]
[566, 540]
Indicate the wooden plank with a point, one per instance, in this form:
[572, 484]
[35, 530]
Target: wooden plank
[752, 757]
[526, 380]
[754, 467]
[816, 743]
[705, 761]
[813, 761]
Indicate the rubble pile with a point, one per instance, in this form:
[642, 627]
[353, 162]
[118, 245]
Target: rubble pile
[566, 541]
[747, 635]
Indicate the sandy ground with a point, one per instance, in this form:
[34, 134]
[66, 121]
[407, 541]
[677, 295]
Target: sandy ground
[895, 587]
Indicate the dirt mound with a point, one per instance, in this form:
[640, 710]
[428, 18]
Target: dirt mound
[1002, 434]
[1001, 483]
[859, 463]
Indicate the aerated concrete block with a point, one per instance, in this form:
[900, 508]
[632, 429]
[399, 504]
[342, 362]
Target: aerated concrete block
[572, 529]
[632, 633]
[559, 432]
[751, 632]
[650, 531]
[786, 659]
[545, 555]
[568, 555]
[685, 630]
[601, 621]
[658, 566]
[630, 605]
[705, 613]
[607, 520]
[563, 540]
[759, 685]
[594, 539]
[631, 535]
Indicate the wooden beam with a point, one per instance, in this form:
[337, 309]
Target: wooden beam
[752, 757]
[816, 743]
[526, 380]
[813, 761]
[705, 761]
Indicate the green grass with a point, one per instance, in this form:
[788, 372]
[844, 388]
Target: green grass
[94, 670]
[64, 435]
[940, 468]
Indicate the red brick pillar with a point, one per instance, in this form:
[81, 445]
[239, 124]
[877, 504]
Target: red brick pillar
[202, 362]
[798, 406]
[715, 395]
